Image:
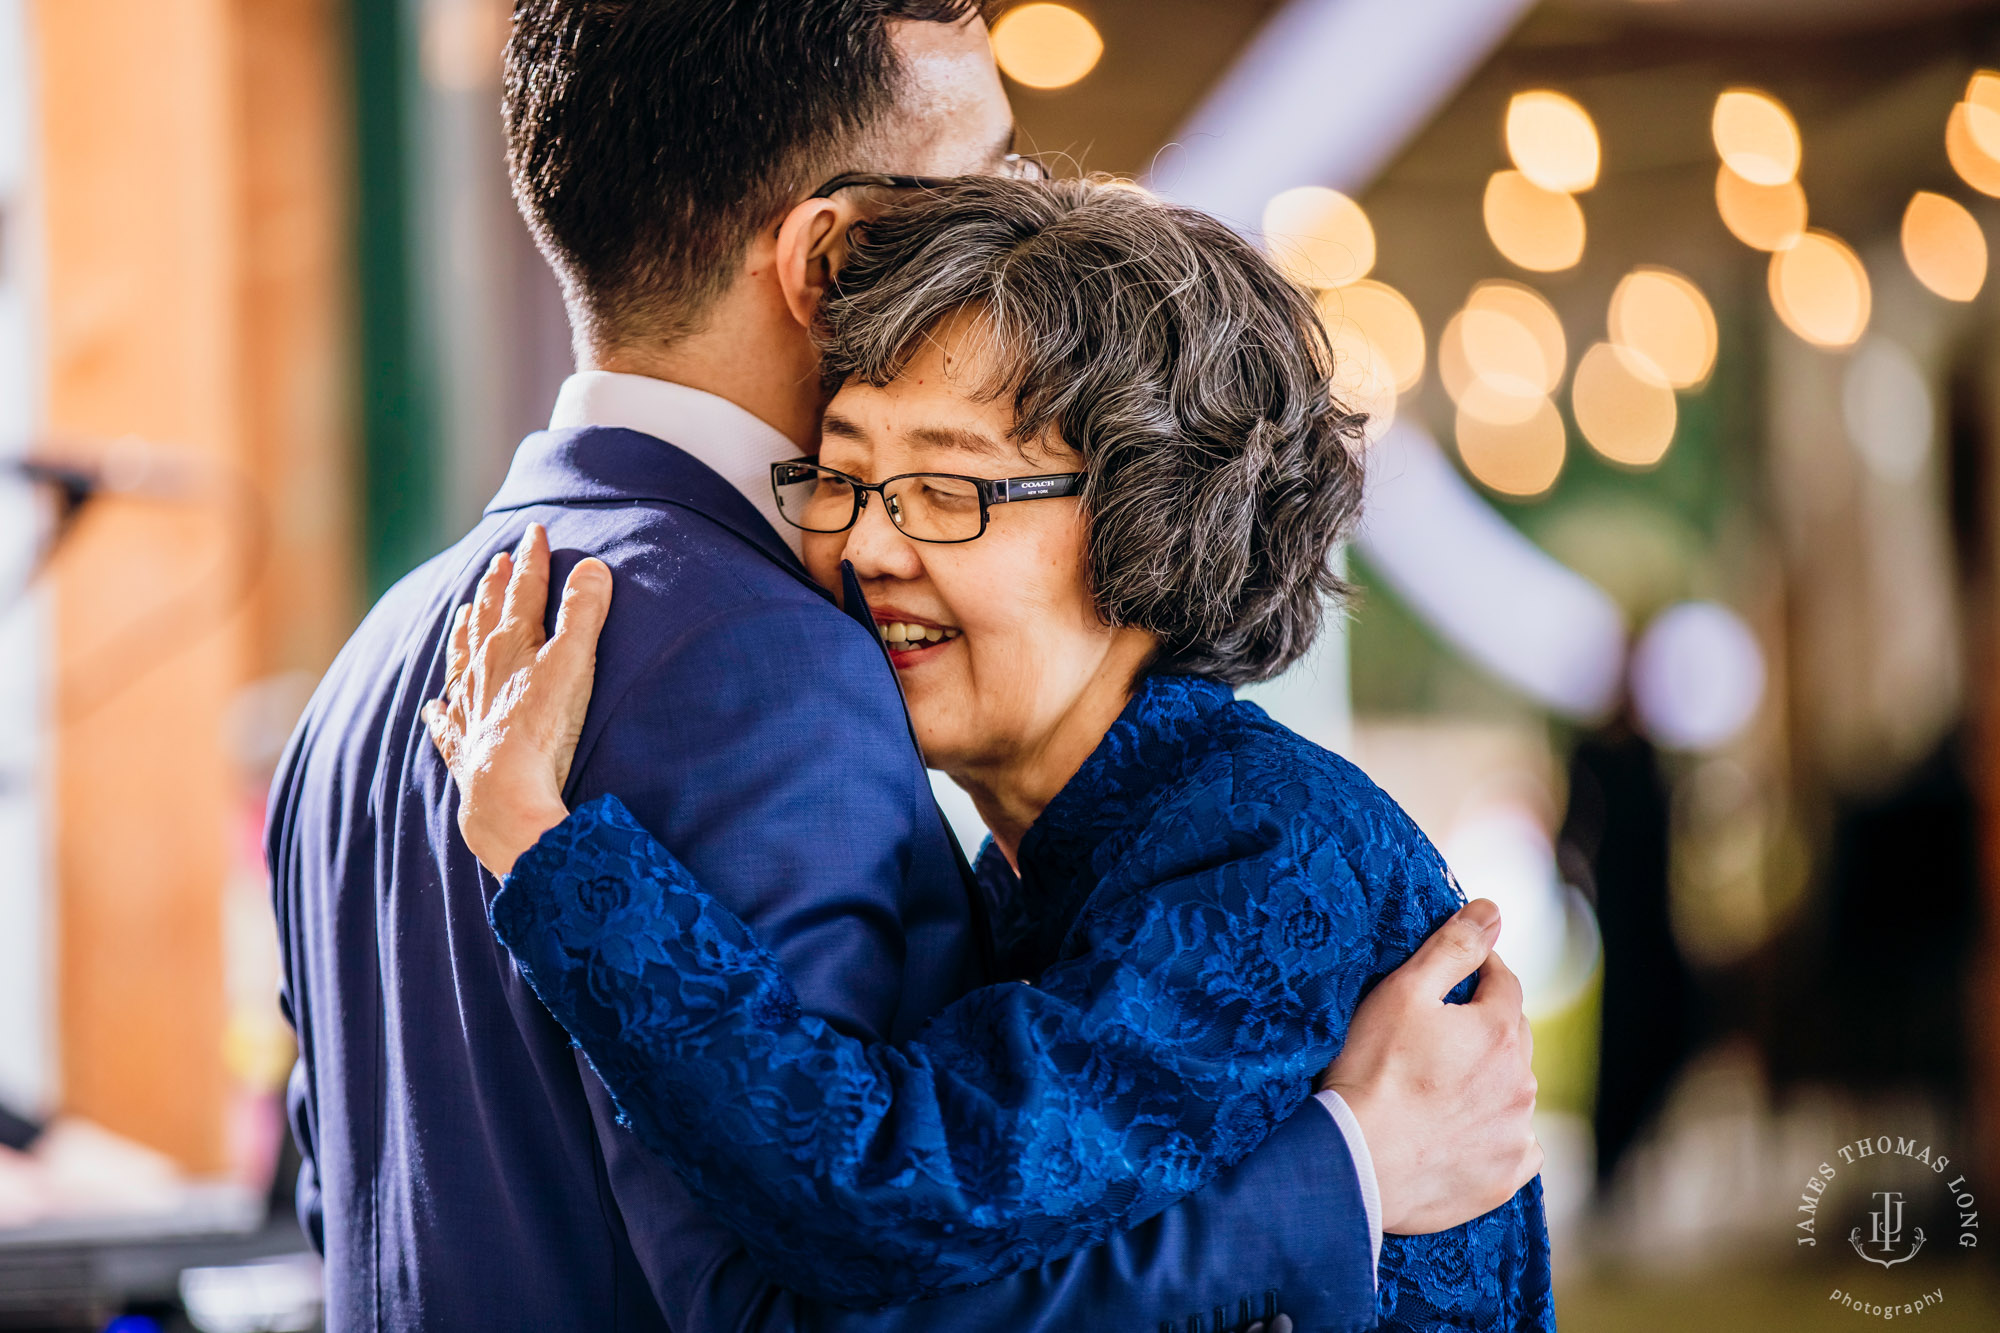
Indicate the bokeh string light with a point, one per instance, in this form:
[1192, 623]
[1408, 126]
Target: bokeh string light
[1378, 349]
[1944, 246]
[1362, 383]
[1319, 237]
[1756, 136]
[1820, 290]
[1501, 357]
[1982, 111]
[1663, 316]
[1518, 458]
[1764, 217]
[1375, 317]
[1537, 229]
[1503, 351]
[1046, 45]
[1974, 165]
[1553, 141]
[1624, 405]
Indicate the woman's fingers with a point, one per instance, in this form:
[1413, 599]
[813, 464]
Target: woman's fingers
[442, 735]
[527, 596]
[586, 601]
[488, 597]
[457, 651]
[567, 668]
[513, 710]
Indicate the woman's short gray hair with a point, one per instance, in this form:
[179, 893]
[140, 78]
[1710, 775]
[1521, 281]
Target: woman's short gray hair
[1192, 377]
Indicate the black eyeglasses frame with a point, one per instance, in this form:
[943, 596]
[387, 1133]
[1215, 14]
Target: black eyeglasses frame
[991, 491]
[1025, 167]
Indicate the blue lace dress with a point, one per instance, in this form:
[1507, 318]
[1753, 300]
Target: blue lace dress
[1200, 910]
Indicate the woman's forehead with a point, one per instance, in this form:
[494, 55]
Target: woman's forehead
[929, 422]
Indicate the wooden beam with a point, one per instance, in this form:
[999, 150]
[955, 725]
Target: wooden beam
[191, 162]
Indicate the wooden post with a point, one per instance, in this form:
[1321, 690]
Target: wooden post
[192, 159]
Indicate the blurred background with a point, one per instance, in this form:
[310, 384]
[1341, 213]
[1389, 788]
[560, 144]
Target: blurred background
[1677, 597]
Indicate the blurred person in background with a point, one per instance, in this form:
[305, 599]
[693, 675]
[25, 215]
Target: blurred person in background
[1616, 840]
[1201, 894]
[463, 1167]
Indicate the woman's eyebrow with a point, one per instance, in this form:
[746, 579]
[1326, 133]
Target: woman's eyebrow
[959, 437]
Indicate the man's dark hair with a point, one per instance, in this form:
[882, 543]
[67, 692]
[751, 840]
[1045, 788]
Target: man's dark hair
[649, 140]
[1194, 379]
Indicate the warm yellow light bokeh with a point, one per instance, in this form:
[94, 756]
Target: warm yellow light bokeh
[1503, 353]
[1821, 290]
[1973, 164]
[1624, 405]
[1540, 230]
[1520, 458]
[1361, 383]
[1983, 89]
[1453, 368]
[1046, 46]
[1499, 402]
[1756, 136]
[1944, 246]
[1664, 316]
[1373, 317]
[1512, 331]
[1982, 111]
[1532, 311]
[1553, 141]
[1764, 217]
[1319, 237]
[1499, 351]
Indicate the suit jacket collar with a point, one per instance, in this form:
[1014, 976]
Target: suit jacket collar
[608, 465]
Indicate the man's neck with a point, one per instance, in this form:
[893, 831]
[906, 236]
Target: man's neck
[762, 364]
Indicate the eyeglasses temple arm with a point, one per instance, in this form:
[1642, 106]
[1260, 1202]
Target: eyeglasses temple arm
[1036, 488]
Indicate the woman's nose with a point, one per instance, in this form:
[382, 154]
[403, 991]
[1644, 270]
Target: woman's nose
[877, 547]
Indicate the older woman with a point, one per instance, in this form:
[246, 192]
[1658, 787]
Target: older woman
[1084, 466]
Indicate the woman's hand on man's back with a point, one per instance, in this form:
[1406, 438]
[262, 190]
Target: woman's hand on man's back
[514, 702]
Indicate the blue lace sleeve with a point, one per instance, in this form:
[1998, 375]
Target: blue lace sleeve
[1024, 1122]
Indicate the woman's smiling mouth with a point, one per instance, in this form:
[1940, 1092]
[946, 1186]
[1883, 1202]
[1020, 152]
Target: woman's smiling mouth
[909, 641]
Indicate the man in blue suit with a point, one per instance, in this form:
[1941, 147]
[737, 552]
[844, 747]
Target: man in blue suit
[463, 1167]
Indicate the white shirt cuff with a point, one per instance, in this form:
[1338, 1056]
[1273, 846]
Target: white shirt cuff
[1364, 1170]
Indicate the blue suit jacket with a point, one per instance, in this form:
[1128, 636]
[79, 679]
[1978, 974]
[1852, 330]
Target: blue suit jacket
[463, 1168]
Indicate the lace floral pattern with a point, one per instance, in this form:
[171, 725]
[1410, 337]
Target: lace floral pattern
[1201, 909]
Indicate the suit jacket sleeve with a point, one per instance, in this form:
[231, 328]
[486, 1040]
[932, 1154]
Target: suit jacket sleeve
[1282, 1232]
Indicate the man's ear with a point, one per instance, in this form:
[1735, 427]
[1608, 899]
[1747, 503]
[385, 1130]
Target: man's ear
[812, 245]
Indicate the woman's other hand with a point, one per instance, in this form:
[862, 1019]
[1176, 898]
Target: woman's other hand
[515, 698]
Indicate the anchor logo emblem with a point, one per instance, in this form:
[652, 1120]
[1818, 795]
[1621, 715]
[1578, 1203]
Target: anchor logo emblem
[1885, 1232]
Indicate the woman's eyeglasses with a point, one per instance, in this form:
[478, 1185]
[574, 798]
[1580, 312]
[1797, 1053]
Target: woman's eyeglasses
[1015, 166]
[938, 507]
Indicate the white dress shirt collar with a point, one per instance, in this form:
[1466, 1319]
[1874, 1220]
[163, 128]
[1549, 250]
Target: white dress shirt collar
[728, 439]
